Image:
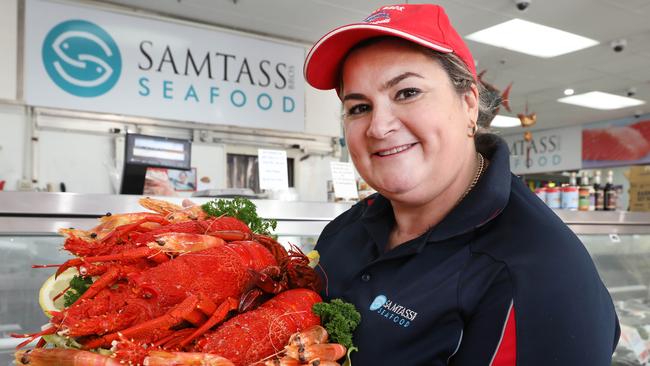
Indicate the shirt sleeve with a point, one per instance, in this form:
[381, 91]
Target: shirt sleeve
[489, 336]
[568, 325]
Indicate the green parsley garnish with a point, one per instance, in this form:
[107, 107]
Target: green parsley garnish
[78, 285]
[242, 209]
[340, 318]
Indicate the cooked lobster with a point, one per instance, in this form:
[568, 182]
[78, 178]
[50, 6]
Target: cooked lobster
[168, 279]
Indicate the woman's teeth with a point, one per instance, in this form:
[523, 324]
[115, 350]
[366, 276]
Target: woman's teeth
[394, 150]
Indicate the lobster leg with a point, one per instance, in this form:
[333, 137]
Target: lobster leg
[230, 235]
[186, 310]
[142, 252]
[104, 281]
[217, 317]
[31, 337]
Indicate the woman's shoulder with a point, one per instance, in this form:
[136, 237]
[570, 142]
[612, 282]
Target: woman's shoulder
[526, 217]
[528, 237]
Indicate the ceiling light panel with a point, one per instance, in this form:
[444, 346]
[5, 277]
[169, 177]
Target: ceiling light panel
[601, 100]
[505, 122]
[531, 38]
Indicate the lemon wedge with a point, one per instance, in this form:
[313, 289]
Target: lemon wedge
[314, 258]
[51, 288]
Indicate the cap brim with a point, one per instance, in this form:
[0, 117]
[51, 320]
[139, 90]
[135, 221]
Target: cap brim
[323, 63]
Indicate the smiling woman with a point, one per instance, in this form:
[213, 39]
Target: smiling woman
[454, 261]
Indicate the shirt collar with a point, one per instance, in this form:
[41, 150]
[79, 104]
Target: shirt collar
[482, 204]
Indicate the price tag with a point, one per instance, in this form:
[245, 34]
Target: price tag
[345, 185]
[273, 169]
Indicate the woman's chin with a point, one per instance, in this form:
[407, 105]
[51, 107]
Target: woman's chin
[396, 189]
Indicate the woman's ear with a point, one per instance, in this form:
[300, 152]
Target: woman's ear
[471, 102]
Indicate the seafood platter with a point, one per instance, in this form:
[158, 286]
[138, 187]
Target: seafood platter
[186, 285]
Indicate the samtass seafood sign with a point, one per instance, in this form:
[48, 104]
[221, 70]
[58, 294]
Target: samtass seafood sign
[79, 57]
[548, 151]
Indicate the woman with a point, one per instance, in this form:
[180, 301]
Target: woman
[454, 261]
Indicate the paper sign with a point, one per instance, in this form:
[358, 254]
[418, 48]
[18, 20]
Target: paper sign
[345, 185]
[273, 169]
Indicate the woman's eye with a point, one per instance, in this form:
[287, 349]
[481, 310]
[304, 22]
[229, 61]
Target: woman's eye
[407, 93]
[358, 109]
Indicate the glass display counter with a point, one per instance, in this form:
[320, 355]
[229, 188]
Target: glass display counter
[619, 243]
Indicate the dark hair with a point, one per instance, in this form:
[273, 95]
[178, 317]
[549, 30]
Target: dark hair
[459, 75]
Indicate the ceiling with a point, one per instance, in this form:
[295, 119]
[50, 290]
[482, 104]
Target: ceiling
[538, 82]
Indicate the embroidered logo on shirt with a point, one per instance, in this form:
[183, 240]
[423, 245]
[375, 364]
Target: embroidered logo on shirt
[392, 311]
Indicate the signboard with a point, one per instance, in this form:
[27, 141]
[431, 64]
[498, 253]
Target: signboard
[273, 169]
[616, 143]
[548, 151]
[345, 184]
[77, 57]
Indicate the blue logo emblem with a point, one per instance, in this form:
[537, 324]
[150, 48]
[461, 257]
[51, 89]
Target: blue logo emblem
[81, 58]
[376, 17]
[378, 302]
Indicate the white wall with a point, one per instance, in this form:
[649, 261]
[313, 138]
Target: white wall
[82, 161]
[210, 161]
[322, 112]
[8, 45]
[12, 144]
[311, 178]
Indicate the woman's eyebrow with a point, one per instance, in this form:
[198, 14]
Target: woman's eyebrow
[390, 83]
[354, 96]
[394, 81]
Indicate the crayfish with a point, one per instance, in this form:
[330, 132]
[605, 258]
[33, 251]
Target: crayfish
[166, 284]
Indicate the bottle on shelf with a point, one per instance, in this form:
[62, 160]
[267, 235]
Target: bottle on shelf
[599, 193]
[585, 193]
[570, 194]
[610, 194]
[552, 195]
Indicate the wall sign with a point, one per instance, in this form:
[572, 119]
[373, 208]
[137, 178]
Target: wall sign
[550, 150]
[616, 143]
[77, 57]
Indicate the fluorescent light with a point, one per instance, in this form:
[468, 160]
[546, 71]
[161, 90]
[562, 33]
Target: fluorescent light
[531, 38]
[600, 100]
[505, 121]
[568, 91]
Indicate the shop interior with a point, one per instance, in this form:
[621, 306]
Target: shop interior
[577, 120]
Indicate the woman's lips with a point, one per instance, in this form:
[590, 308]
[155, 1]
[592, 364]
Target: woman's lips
[394, 150]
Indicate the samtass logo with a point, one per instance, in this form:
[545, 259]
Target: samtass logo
[378, 302]
[81, 58]
[392, 311]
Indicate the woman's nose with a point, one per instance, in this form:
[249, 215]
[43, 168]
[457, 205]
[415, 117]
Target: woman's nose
[383, 122]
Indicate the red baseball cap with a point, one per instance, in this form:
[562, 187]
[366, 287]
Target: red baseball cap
[424, 24]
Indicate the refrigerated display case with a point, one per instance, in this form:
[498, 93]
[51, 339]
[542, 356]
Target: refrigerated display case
[619, 243]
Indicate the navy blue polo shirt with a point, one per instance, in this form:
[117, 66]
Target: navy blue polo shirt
[500, 281]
